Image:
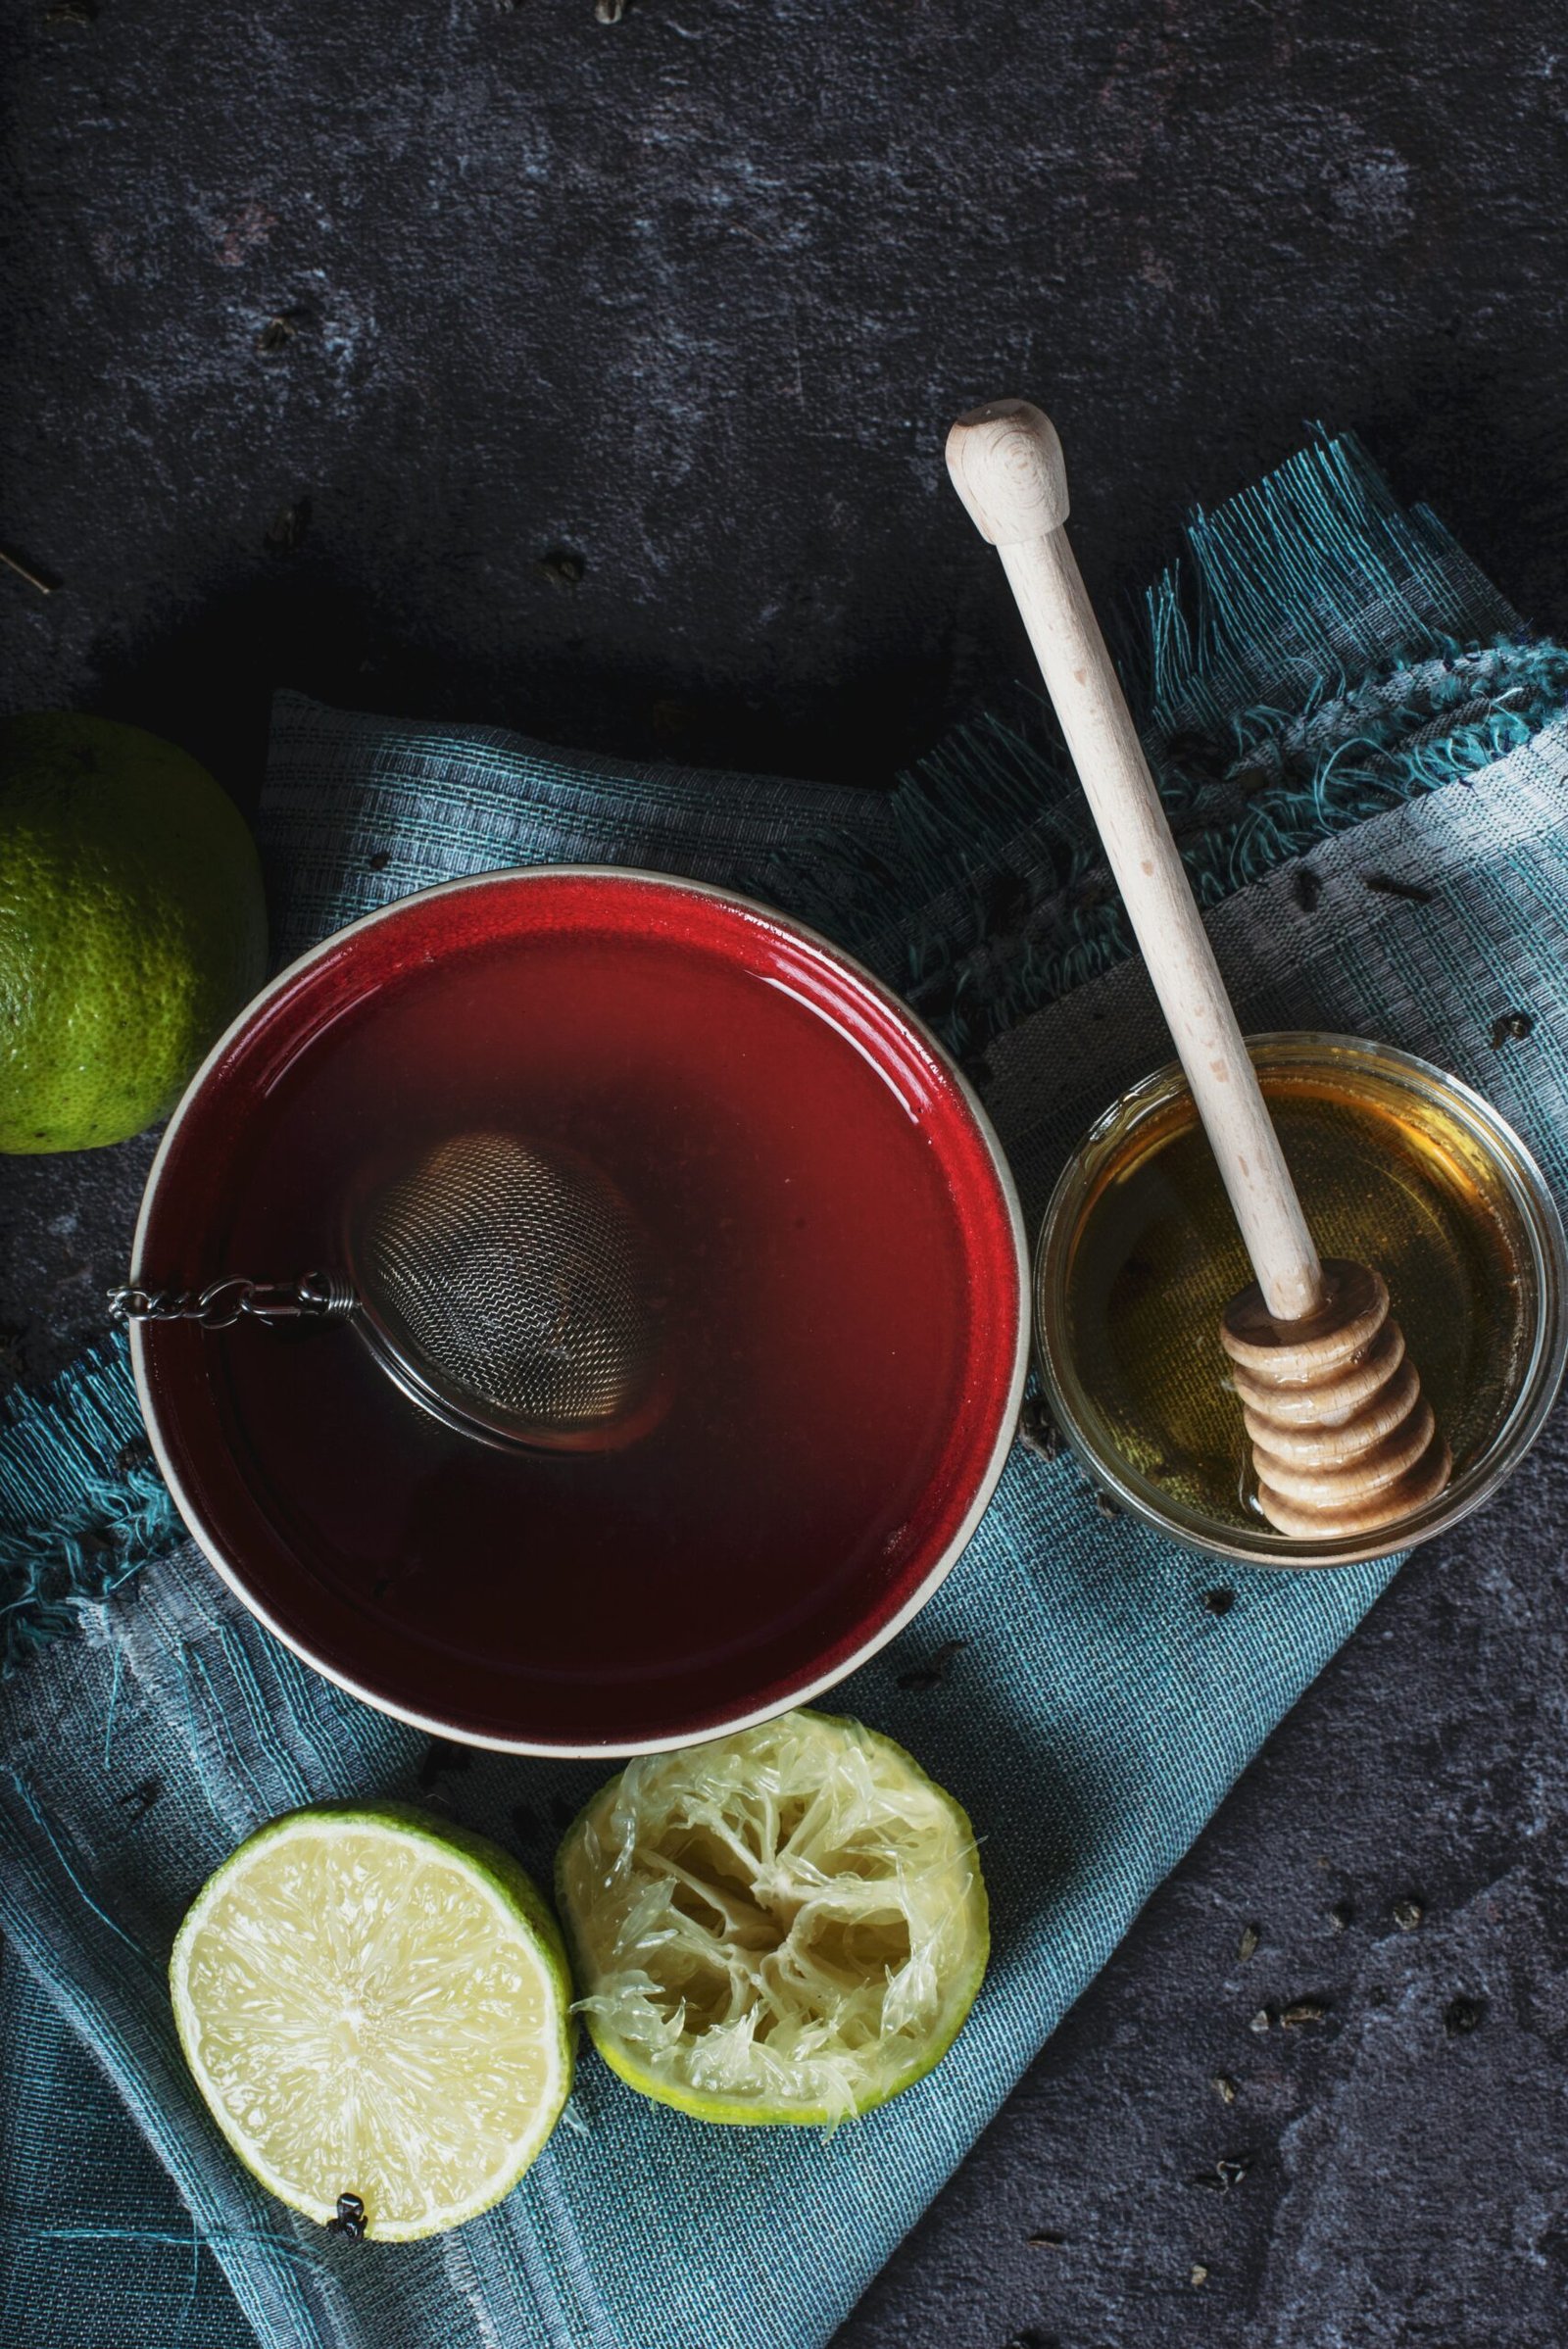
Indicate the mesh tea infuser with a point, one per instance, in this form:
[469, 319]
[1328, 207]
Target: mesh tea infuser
[507, 1289]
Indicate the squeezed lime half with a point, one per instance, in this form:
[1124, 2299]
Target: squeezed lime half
[788, 1925]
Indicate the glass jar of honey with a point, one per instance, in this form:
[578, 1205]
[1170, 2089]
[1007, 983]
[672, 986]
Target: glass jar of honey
[1399, 1166]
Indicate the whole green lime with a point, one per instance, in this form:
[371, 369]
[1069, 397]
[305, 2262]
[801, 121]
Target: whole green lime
[132, 927]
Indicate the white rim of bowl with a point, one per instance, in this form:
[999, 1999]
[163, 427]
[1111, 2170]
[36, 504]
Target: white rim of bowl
[766, 917]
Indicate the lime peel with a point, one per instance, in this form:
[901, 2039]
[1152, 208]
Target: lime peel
[376, 2003]
[788, 1925]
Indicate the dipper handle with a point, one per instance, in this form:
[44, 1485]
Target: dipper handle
[1006, 463]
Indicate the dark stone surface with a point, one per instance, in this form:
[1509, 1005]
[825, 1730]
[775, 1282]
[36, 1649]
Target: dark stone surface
[331, 331]
[1406, 2179]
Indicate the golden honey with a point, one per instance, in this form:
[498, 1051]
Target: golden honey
[1399, 1167]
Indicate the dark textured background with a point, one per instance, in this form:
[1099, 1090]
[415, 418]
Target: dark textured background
[496, 361]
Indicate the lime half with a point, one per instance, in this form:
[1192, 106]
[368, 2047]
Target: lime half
[787, 1925]
[376, 2004]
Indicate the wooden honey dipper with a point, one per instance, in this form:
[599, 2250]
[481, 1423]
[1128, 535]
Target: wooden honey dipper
[1343, 1441]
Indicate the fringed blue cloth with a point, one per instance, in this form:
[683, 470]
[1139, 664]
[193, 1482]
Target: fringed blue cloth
[1331, 692]
[82, 1504]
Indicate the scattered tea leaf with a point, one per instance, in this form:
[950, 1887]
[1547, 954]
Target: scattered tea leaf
[1046, 2242]
[1223, 2087]
[1307, 887]
[609, 12]
[1260, 2021]
[1386, 885]
[24, 570]
[440, 1756]
[933, 1673]
[559, 565]
[1408, 1914]
[1038, 1431]
[1219, 1603]
[286, 530]
[1198, 2273]
[379, 862]
[277, 335]
[1224, 2175]
[1340, 1915]
[140, 1799]
[350, 2220]
[1462, 2016]
[1108, 1507]
[1247, 1944]
[1512, 1028]
[1301, 2011]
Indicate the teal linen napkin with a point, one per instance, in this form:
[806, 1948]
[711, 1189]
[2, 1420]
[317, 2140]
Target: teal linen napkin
[1323, 677]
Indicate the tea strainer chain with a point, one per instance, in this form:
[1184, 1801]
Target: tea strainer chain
[507, 1290]
[317, 1296]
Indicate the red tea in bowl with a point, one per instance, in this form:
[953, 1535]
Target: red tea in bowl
[840, 1251]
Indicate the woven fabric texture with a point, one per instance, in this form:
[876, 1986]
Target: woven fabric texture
[1346, 687]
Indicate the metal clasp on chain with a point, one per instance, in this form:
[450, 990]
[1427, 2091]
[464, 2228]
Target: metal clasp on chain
[317, 1296]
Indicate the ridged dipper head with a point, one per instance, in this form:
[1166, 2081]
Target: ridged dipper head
[1343, 1441]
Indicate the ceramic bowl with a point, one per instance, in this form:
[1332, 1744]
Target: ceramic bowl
[849, 1330]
